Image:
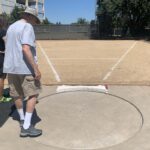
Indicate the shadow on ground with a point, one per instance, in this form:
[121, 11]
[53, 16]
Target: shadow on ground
[15, 116]
[8, 109]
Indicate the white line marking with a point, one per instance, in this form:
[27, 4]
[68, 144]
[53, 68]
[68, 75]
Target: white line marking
[69, 88]
[84, 58]
[50, 63]
[119, 61]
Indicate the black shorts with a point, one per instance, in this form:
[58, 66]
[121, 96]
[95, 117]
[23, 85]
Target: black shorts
[2, 75]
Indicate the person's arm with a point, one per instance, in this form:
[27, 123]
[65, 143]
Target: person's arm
[4, 38]
[30, 59]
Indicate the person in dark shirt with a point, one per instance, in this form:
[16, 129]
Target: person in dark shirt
[3, 26]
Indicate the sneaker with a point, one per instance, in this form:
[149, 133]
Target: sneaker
[5, 99]
[30, 132]
[21, 123]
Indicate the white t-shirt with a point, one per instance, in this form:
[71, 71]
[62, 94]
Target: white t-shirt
[19, 33]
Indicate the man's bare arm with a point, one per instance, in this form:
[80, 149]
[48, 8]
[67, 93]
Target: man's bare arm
[30, 59]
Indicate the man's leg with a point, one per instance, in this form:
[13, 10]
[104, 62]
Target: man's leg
[1, 75]
[17, 94]
[1, 87]
[29, 111]
[28, 129]
[30, 87]
[19, 106]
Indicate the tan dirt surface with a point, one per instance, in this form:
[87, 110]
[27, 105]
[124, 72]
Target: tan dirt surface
[87, 62]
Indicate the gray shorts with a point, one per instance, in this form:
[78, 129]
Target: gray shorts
[23, 85]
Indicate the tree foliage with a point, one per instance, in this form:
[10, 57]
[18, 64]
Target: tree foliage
[127, 14]
[81, 21]
[16, 14]
[47, 22]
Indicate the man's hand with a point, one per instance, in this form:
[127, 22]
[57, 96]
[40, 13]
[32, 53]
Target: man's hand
[37, 74]
[4, 38]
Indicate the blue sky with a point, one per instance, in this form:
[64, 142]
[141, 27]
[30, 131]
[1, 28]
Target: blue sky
[68, 11]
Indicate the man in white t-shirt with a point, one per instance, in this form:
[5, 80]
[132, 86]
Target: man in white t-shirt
[20, 64]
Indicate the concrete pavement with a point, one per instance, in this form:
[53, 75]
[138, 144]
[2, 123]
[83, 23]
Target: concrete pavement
[84, 120]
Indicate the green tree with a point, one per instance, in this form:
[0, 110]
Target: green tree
[58, 23]
[81, 21]
[46, 22]
[16, 14]
[92, 22]
[137, 14]
[132, 14]
[104, 17]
